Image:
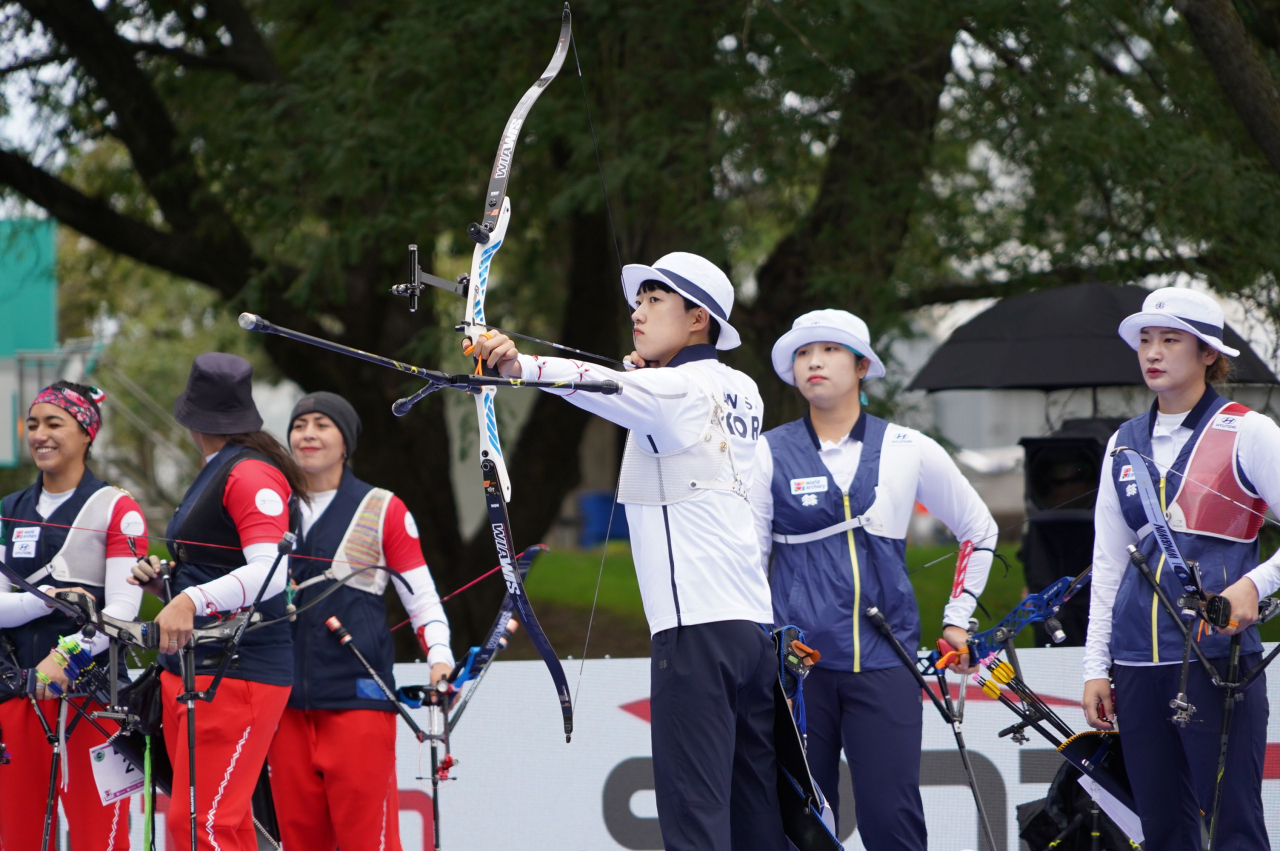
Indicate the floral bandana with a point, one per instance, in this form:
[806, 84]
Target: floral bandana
[76, 405]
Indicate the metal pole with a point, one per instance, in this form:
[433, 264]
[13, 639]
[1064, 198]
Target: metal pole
[878, 619]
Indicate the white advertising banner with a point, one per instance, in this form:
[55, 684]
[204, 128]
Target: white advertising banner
[518, 785]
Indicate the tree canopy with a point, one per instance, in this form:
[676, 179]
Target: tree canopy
[877, 155]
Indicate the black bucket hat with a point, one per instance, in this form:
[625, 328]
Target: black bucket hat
[219, 397]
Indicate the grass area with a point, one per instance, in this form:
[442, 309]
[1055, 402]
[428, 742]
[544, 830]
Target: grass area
[564, 582]
[568, 578]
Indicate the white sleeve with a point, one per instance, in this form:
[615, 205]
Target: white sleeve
[427, 614]
[1111, 537]
[238, 588]
[19, 607]
[651, 399]
[1260, 459]
[949, 496]
[122, 600]
[761, 498]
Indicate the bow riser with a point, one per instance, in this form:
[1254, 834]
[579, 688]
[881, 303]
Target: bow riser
[473, 321]
[1035, 608]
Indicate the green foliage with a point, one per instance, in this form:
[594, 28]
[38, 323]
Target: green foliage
[568, 578]
[156, 325]
[1094, 136]
[873, 154]
[1089, 136]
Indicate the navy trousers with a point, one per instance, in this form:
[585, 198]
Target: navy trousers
[714, 768]
[1172, 768]
[876, 717]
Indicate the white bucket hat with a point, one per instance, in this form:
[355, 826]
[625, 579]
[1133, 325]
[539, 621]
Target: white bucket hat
[822, 326]
[697, 279]
[1181, 308]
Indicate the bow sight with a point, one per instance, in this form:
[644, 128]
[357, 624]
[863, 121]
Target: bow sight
[419, 279]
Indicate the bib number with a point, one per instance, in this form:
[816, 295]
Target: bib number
[116, 776]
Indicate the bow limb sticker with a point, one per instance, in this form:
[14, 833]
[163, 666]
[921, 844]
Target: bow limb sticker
[816, 484]
[269, 502]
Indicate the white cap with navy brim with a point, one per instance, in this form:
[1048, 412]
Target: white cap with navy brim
[824, 326]
[1180, 308]
[697, 279]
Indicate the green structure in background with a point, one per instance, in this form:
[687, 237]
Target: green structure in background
[28, 314]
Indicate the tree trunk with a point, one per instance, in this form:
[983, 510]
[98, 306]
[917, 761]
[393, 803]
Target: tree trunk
[843, 255]
[1240, 70]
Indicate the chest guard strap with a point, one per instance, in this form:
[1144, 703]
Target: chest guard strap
[361, 546]
[83, 555]
[1212, 474]
[665, 478]
[827, 532]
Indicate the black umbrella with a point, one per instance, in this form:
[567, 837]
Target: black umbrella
[1056, 339]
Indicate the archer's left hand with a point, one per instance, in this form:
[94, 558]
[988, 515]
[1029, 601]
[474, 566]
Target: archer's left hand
[958, 638]
[497, 351]
[439, 671]
[56, 674]
[1243, 596]
[176, 621]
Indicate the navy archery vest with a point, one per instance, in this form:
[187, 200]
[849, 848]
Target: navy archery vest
[33, 640]
[326, 674]
[823, 586]
[265, 655]
[1134, 636]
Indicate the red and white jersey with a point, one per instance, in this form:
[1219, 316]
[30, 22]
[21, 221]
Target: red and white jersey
[257, 498]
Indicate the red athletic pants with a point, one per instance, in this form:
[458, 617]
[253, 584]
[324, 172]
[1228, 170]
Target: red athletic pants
[232, 736]
[25, 782]
[333, 780]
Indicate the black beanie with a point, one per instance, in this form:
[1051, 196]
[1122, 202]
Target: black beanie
[335, 408]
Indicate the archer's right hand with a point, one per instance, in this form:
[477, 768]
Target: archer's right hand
[147, 574]
[635, 361]
[1099, 710]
